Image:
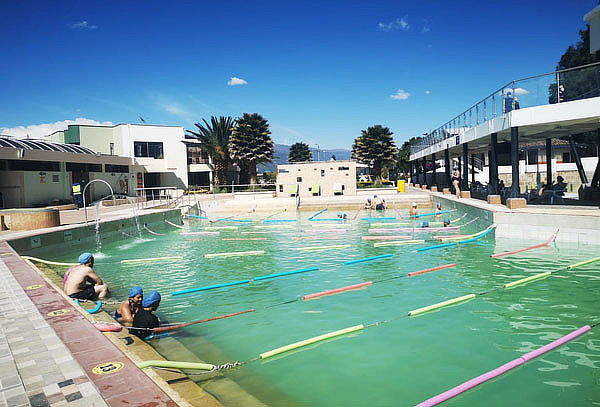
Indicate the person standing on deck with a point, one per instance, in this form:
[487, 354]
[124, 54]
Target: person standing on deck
[456, 181]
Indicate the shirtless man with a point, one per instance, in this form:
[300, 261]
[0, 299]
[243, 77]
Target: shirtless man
[77, 278]
[413, 209]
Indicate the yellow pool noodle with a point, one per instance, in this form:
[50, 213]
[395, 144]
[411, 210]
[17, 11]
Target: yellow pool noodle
[54, 263]
[581, 263]
[527, 279]
[441, 304]
[336, 246]
[309, 341]
[249, 253]
[152, 259]
[398, 243]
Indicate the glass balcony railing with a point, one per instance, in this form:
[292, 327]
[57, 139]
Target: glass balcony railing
[556, 87]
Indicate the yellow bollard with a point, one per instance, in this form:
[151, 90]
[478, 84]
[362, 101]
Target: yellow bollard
[401, 186]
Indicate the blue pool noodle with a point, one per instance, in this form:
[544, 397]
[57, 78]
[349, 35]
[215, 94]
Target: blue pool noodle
[437, 246]
[209, 287]
[278, 220]
[430, 214]
[234, 220]
[383, 256]
[285, 273]
[93, 310]
[196, 216]
[326, 219]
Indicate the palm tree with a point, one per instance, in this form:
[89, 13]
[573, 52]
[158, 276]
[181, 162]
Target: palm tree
[375, 147]
[299, 152]
[250, 143]
[214, 138]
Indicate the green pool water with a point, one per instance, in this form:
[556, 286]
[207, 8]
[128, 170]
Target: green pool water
[403, 360]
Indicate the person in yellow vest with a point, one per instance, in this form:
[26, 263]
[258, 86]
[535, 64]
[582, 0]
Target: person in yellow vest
[77, 195]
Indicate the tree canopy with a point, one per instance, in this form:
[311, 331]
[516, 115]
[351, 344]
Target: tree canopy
[375, 147]
[250, 144]
[299, 152]
[402, 164]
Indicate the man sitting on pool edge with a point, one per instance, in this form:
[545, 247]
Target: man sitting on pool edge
[144, 319]
[77, 278]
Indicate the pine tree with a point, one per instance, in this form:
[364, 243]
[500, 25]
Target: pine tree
[375, 147]
[299, 152]
[250, 143]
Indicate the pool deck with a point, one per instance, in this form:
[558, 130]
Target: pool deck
[52, 356]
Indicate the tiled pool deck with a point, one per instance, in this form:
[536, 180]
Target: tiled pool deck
[50, 355]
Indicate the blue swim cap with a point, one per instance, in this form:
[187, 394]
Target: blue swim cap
[85, 257]
[151, 298]
[447, 221]
[137, 290]
[425, 224]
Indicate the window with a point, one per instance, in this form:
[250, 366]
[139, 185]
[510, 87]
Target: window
[122, 169]
[152, 149]
[112, 148]
[298, 179]
[55, 178]
[22, 165]
[532, 157]
[566, 157]
[280, 188]
[84, 167]
[322, 173]
[343, 168]
[283, 171]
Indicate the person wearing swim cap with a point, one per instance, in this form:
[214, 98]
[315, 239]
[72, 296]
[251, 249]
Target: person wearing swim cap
[144, 320]
[446, 222]
[128, 308]
[413, 209]
[82, 283]
[379, 203]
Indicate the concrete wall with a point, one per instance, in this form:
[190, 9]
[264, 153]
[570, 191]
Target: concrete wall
[43, 187]
[326, 174]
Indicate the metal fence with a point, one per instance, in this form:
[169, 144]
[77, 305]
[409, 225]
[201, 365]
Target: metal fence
[582, 82]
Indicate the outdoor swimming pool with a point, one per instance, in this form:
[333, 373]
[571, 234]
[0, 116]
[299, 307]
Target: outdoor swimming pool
[400, 361]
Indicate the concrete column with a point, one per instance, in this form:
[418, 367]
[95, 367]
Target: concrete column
[465, 170]
[493, 181]
[447, 166]
[548, 161]
[424, 171]
[473, 169]
[514, 159]
[433, 172]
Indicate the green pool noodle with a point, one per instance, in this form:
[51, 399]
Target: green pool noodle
[175, 364]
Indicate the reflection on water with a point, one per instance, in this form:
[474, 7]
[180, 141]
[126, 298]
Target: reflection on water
[400, 362]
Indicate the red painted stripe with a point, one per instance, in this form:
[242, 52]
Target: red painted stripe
[173, 327]
[445, 266]
[337, 290]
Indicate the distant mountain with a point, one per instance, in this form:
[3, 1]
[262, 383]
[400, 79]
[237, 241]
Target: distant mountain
[282, 151]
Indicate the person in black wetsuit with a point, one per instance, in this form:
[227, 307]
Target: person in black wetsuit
[145, 318]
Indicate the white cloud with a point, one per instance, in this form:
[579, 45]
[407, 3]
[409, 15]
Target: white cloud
[521, 91]
[233, 81]
[178, 111]
[41, 130]
[83, 25]
[398, 24]
[401, 94]
[427, 92]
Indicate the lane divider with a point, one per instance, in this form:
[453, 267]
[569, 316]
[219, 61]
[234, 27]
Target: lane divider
[398, 243]
[235, 254]
[310, 341]
[336, 246]
[429, 270]
[392, 237]
[337, 290]
[537, 246]
[173, 224]
[440, 398]
[472, 239]
[285, 273]
[441, 304]
[383, 256]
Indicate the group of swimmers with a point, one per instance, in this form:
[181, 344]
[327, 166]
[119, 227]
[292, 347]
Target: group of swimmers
[377, 203]
[80, 282]
[438, 214]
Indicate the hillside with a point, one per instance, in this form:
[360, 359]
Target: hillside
[282, 150]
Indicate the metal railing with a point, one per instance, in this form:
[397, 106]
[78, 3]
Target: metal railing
[155, 197]
[566, 85]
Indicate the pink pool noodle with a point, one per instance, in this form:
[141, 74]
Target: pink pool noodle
[546, 243]
[386, 230]
[198, 233]
[391, 237]
[337, 290]
[502, 369]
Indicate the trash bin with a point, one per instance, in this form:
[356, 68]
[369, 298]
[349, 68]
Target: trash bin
[401, 186]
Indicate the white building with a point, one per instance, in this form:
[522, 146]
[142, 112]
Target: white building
[161, 155]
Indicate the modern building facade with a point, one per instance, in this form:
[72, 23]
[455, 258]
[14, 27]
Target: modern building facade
[317, 178]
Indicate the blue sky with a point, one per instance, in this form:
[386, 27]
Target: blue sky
[318, 71]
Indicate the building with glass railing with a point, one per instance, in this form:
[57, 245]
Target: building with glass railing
[557, 115]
